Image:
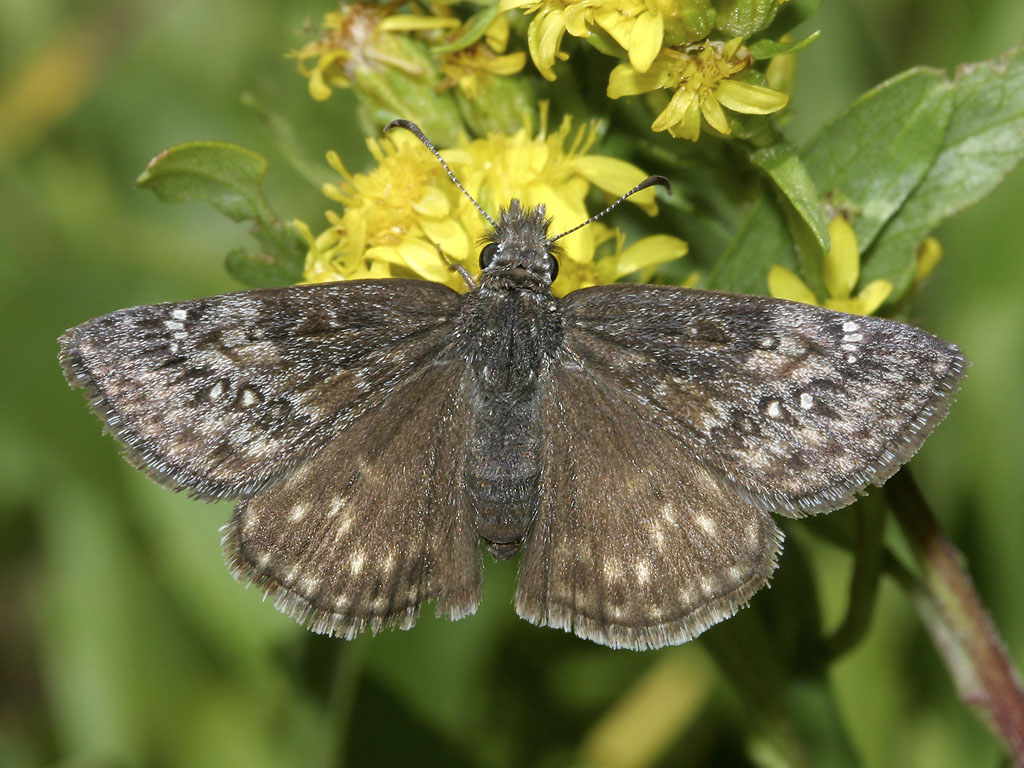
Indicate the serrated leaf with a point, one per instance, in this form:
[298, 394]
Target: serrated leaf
[474, 28]
[984, 141]
[226, 176]
[767, 49]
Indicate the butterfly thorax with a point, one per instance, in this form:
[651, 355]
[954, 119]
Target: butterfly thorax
[511, 327]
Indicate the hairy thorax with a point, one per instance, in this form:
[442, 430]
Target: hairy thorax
[510, 329]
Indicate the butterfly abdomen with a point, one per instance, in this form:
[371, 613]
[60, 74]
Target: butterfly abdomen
[511, 336]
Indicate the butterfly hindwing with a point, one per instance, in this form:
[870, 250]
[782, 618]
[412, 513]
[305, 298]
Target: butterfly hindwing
[361, 535]
[224, 395]
[799, 406]
[636, 543]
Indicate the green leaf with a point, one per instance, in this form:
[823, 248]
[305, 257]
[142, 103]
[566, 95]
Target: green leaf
[783, 165]
[226, 176]
[767, 49]
[230, 178]
[762, 241]
[872, 157]
[984, 141]
[473, 30]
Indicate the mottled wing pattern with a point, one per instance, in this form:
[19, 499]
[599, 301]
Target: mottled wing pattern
[358, 537]
[224, 395]
[637, 543]
[799, 406]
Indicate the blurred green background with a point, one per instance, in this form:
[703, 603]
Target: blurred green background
[123, 639]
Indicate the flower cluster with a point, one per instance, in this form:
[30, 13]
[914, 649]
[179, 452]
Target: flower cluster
[406, 218]
[702, 81]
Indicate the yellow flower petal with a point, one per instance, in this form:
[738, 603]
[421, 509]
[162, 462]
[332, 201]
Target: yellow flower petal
[625, 80]
[608, 18]
[421, 257]
[615, 177]
[544, 37]
[783, 284]
[873, 296]
[448, 235]
[497, 33]
[433, 202]
[645, 40]
[929, 254]
[508, 64]
[648, 252]
[576, 20]
[841, 266]
[750, 99]
[406, 22]
[679, 105]
[713, 113]
[318, 89]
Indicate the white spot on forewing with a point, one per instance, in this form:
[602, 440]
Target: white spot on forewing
[216, 391]
[643, 572]
[356, 565]
[336, 504]
[850, 326]
[707, 524]
[249, 398]
[174, 325]
[850, 338]
[173, 347]
[774, 410]
[342, 529]
[179, 335]
[851, 359]
[298, 512]
[179, 314]
[708, 584]
[806, 400]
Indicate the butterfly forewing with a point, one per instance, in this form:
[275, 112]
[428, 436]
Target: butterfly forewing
[224, 395]
[358, 537]
[799, 406]
[636, 543]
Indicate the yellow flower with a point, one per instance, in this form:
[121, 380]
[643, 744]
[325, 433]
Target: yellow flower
[638, 26]
[841, 271]
[406, 218]
[702, 81]
[471, 67]
[359, 38]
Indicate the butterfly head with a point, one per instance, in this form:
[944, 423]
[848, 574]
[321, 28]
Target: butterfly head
[519, 243]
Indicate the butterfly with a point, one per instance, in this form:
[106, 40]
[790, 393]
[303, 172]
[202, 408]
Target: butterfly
[631, 442]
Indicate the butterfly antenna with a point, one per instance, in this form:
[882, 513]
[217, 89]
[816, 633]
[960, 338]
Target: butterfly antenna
[415, 131]
[650, 181]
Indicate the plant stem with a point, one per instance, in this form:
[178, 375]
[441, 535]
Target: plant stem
[961, 628]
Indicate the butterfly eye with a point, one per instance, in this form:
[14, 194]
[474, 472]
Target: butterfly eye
[487, 255]
[554, 267]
